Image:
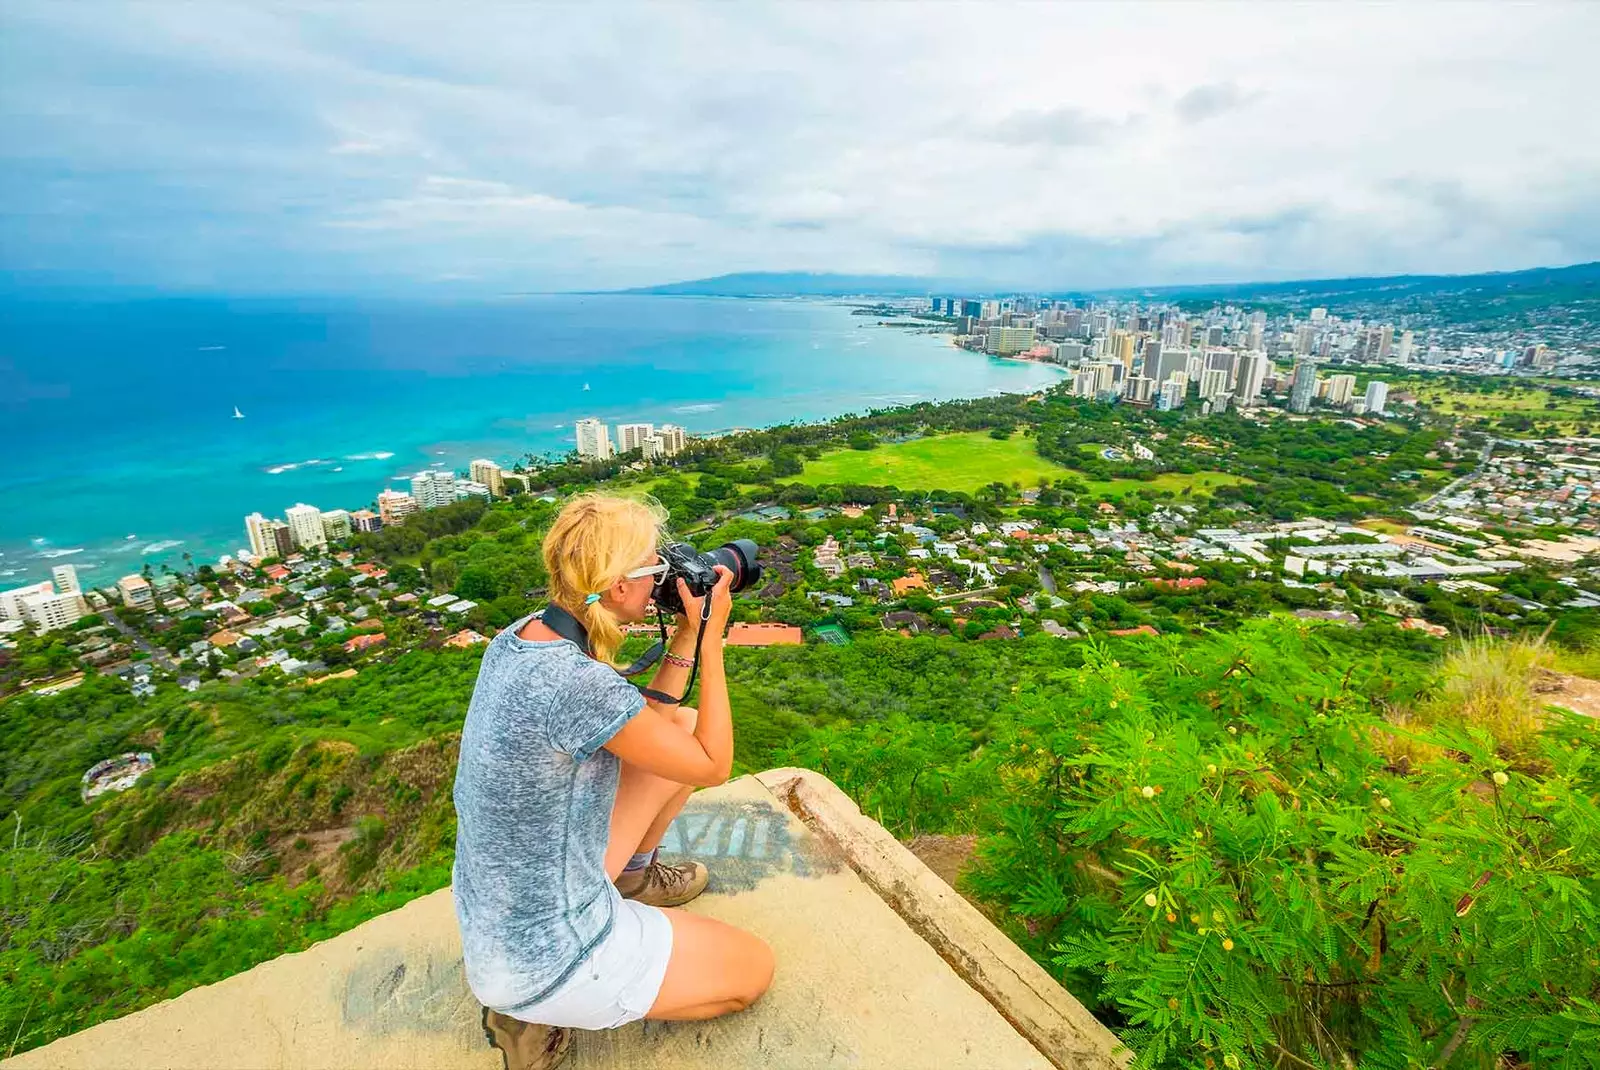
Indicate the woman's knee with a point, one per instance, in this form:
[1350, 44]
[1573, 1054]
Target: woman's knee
[761, 964]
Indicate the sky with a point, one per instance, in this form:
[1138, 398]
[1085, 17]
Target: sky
[476, 148]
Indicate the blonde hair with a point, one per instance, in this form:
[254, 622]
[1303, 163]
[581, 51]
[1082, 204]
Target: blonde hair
[595, 539]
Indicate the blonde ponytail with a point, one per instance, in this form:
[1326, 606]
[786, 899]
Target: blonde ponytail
[595, 539]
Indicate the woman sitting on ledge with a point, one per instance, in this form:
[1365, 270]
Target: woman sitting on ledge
[566, 783]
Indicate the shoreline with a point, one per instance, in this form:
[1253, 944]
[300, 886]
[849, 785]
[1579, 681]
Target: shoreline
[30, 557]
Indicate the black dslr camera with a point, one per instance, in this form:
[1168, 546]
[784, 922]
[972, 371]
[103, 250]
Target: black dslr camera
[699, 570]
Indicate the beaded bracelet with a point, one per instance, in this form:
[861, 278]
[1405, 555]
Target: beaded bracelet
[673, 659]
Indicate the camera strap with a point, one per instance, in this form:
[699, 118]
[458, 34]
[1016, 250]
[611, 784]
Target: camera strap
[571, 629]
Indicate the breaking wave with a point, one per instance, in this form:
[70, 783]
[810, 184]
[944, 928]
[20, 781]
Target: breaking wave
[158, 547]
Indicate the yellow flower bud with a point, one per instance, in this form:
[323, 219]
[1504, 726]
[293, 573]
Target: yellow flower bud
[1500, 778]
[1385, 803]
[1148, 792]
[1150, 899]
[1227, 945]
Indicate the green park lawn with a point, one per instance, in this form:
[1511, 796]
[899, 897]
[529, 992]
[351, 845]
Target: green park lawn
[965, 462]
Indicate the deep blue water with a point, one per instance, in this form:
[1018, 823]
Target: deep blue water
[116, 418]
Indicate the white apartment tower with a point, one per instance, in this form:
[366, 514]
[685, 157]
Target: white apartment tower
[1341, 388]
[594, 440]
[336, 525]
[432, 489]
[632, 436]
[256, 529]
[48, 612]
[66, 578]
[1377, 396]
[674, 438]
[11, 602]
[305, 526]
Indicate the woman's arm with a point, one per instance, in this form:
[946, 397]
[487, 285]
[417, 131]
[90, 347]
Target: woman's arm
[656, 744]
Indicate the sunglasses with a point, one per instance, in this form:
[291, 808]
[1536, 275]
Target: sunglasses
[653, 571]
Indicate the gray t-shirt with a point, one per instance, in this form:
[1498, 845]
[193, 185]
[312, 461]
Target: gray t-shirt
[533, 795]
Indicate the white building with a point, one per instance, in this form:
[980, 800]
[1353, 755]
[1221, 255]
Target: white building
[305, 526]
[11, 601]
[1213, 383]
[653, 448]
[336, 525]
[66, 578]
[1377, 396]
[632, 436]
[466, 488]
[489, 474]
[48, 612]
[673, 438]
[432, 489]
[594, 440]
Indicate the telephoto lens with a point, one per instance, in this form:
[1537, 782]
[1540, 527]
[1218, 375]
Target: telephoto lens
[698, 570]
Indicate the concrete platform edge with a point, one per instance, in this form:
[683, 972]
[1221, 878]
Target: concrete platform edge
[1032, 1001]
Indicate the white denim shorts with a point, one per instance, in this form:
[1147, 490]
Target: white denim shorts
[618, 982]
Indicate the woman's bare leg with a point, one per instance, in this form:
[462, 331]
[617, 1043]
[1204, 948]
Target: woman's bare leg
[644, 807]
[715, 969]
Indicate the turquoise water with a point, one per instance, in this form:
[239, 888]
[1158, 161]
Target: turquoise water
[119, 417]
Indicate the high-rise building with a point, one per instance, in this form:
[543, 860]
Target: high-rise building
[1004, 341]
[258, 529]
[674, 438]
[1377, 396]
[1253, 336]
[1340, 389]
[395, 505]
[1305, 336]
[1253, 368]
[11, 601]
[1172, 392]
[594, 440]
[136, 592]
[1213, 383]
[1139, 389]
[336, 525]
[1403, 351]
[1172, 361]
[488, 473]
[632, 436]
[433, 488]
[1304, 386]
[972, 308]
[1318, 315]
[653, 448]
[305, 526]
[48, 612]
[366, 521]
[1120, 348]
[66, 578]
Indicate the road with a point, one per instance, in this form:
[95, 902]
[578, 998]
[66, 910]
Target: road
[157, 655]
[1450, 488]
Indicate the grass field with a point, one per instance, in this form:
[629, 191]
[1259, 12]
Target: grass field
[966, 462]
[1535, 403]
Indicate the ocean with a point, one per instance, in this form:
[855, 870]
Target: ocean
[120, 448]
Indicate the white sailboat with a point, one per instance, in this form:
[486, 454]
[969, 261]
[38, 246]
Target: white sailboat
[586, 386]
[237, 415]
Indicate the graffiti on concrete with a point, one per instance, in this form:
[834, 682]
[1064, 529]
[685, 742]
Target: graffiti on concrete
[743, 842]
[389, 990]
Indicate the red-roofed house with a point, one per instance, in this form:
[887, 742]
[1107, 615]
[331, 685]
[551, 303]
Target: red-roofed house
[1187, 583]
[1143, 629]
[363, 642]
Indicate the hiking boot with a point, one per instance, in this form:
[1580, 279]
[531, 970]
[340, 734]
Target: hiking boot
[523, 1045]
[661, 885]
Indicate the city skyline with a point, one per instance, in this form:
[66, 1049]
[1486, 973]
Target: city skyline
[232, 148]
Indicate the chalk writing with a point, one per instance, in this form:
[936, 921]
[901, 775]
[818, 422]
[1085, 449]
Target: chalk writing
[743, 842]
[389, 990]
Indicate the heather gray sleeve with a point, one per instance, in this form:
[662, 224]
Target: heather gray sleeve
[593, 706]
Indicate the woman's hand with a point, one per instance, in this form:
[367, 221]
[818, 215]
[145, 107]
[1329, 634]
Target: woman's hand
[721, 606]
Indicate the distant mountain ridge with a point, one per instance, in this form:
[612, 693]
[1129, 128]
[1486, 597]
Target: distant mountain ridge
[829, 284]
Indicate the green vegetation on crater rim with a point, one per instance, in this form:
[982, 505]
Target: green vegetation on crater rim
[1355, 850]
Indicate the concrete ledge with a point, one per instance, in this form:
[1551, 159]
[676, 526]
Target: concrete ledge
[880, 964]
[1014, 984]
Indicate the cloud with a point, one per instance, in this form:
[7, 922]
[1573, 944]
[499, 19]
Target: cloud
[283, 148]
[1064, 127]
[1208, 101]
